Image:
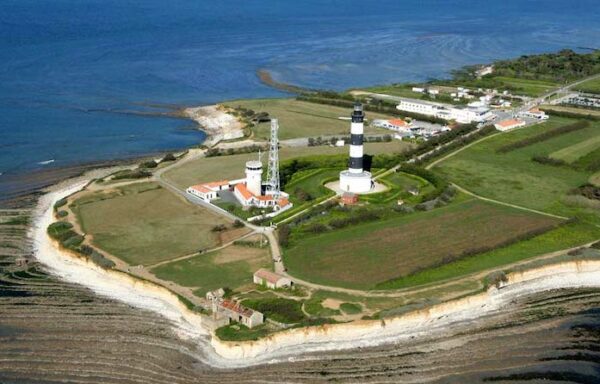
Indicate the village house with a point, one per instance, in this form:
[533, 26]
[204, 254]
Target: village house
[272, 280]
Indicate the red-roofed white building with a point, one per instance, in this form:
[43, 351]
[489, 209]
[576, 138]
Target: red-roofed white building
[536, 113]
[247, 198]
[208, 191]
[509, 124]
[398, 125]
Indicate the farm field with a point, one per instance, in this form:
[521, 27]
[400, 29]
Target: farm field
[572, 153]
[365, 255]
[513, 177]
[230, 267]
[590, 86]
[303, 119]
[566, 236]
[232, 167]
[144, 224]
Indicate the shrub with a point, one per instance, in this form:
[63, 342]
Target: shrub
[547, 160]
[238, 224]
[218, 228]
[132, 174]
[316, 228]
[302, 195]
[73, 241]
[62, 214]
[283, 234]
[149, 164]
[495, 279]
[168, 157]
[60, 203]
[278, 309]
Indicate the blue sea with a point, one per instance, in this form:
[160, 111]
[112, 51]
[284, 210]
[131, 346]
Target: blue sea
[72, 71]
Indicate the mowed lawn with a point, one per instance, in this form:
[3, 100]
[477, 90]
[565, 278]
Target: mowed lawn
[146, 226]
[365, 255]
[231, 267]
[514, 178]
[303, 119]
[232, 167]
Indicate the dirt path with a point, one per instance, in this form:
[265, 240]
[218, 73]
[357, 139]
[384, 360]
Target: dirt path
[185, 257]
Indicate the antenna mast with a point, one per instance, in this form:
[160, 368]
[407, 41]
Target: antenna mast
[273, 187]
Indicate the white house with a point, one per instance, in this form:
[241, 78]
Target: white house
[418, 89]
[271, 279]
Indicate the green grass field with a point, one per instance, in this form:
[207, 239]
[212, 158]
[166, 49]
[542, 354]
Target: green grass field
[365, 255]
[399, 183]
[567, 236]
[231, 267]
[573, 152]
[303, 119]
[232, 167]
[144, 224]
[527, 87]
[513, 177]
[590, 86]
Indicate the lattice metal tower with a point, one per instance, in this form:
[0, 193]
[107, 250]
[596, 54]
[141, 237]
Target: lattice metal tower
[272, 183]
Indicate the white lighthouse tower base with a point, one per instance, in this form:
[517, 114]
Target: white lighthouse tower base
[356, 182]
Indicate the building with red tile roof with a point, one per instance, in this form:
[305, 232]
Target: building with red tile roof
[506, 125]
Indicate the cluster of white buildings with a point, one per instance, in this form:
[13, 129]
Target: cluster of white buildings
[469, 114]
[249, 191]
[410, 129]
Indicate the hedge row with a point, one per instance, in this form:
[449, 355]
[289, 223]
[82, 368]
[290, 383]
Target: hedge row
[543, 136]
[573, 115]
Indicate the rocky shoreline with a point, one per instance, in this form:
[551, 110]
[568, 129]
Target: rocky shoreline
[218, 123]
[298, 342]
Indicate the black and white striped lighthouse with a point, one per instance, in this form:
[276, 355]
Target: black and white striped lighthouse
[356, 139]
[356, 179]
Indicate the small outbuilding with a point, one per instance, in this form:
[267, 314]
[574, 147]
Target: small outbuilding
[237, 312]
[349, 198]
[271, 279]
